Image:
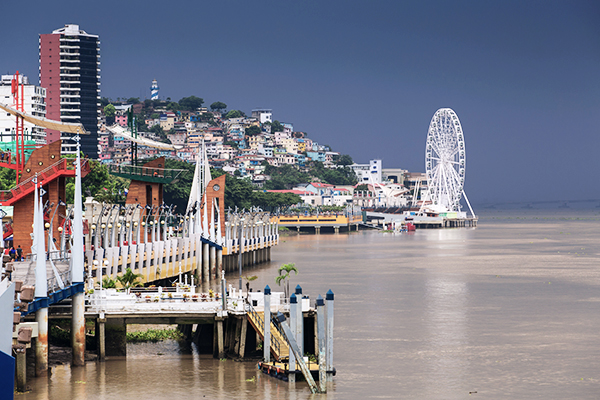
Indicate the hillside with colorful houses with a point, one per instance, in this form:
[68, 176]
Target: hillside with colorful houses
[253, 147]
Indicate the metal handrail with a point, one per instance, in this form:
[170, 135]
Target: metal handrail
[260, 321]
[53, 283]
[43, 174]
[145, 171]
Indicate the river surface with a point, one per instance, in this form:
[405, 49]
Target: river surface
[510, 309]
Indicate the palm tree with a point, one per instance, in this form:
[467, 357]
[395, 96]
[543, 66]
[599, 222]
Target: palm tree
[108, 283]
[284, 275]
[129, 279]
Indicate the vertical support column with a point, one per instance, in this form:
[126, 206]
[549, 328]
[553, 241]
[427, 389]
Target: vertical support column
[299, 321]
[21, 370]
[213, 263]
[293, 327]
[78, 329]
[219, 263]
[320, 350]
[237, 336]
[116, 337]
[41, 343]
[267, 325]
[101, 338]
[220, 343]
[205, 266]
[243, 336]
[329, 350]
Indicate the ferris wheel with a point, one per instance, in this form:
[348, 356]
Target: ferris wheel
[445, 162]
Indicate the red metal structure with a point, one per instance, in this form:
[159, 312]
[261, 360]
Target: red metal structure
[17, 91]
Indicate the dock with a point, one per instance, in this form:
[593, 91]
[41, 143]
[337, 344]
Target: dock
[391, 221]
[332, 222]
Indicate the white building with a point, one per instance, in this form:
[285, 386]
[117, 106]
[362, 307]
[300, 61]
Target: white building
[368, 173]
[263, 115]
[34, 103]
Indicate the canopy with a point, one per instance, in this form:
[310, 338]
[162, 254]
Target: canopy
[46, 123]
[120, 131]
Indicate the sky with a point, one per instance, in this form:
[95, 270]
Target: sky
[366, 77]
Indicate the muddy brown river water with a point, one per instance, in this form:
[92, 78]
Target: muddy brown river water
[510, 309]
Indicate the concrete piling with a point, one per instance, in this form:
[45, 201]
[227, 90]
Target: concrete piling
[267, 325]
[293, 328]
[205, 266]
[41, 343]
[329, 356]
[101, 339]
[299, 320]
[78, 329]
[320, 350]
[213, 263]
[21, 373]
[244, 328]
[220, 342]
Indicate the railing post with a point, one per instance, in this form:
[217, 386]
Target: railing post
[267, 325]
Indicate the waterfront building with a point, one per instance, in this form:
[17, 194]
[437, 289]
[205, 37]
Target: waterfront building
[368, 173]
[33, 103]
[70, 73]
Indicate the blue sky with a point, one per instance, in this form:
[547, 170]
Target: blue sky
[367, 76]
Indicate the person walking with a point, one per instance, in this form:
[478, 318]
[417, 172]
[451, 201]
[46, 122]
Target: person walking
[19, 253]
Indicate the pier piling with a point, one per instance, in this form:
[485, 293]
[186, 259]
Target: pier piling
[294, 329]
[78, 329]
[299, 320]
[320, 350]
[267, 325]
[41, 343]
[329, 356]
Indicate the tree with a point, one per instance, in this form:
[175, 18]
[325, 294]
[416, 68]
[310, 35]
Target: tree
[218, 106]
[344, 159]
[231, 143]
[109, 283]
[285, 177]
[178, 193]
[253, 130]
[129, 279]
[8, 178]
[133, 100]
[99, 184]
[109, 112]
[191, 103]
[276, 127]
[284, 276]
[234, 114]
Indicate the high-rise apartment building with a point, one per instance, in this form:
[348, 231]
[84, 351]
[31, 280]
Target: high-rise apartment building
[33, 104]
[70, 72]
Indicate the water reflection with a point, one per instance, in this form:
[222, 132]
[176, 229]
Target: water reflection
[446, 298]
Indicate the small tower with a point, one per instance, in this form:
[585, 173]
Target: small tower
[154, 90]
